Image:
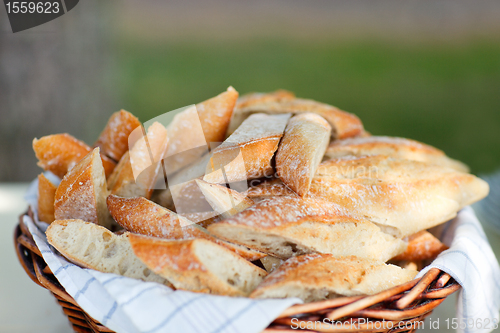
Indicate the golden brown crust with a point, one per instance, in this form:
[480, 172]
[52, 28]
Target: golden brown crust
[46, 195]
[113, 140]
[421, 246]
[301, 150]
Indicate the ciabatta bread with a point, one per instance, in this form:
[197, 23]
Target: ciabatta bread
[317, 277]
[421, 246]
[91, 246]
[46, 195]
[402, 196]
[223, 200]
[198, 265]
[393, 147]
[248, 152]
[291, 226]
[59, 153]
[82, 193]
[113, 140]
[301, 150]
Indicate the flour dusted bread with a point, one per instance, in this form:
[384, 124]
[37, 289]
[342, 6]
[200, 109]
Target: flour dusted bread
[198, 265]
[223, 200]
[113, 140]
[316, 277]
[82, 193]
[402, 196]
[421, 246]
[291, 226]
[95, 247]
[393, 147]
[59, 153]
[301, 150]
[248, 152]
[46, 197]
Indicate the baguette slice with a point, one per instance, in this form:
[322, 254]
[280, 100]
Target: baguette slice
[198, 265]
[421, 246]
[113, 140]
[344, 124]
[402, 196]
[223, 200]
[95, 247]
[137, 171]
[301, 150]
[393, 147]
[46, 197]
[267, 189]
[291, 226]
[213, 115]
[316, 277]
[59, 153]
[82, 193]
[142, 216]
[248, 152]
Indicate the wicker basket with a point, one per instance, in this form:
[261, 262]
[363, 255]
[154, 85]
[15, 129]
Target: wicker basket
[393, 310]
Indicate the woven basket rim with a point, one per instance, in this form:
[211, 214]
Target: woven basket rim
[401, 305]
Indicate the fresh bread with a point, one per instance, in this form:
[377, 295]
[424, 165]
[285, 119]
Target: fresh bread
[137, 171]
[223, 200]
[272, 187]
[344, 124]
[271, 263]
[316, 277]
[291, 226]
[301, 150]
[46, 195]
[401, 196]
[82, 193]
[91, 246]
[421, 246]
[248, 152]
[393, 147]
[113, 140]
[59, 153]
[142, 216]
[206, 123]
[198, 265]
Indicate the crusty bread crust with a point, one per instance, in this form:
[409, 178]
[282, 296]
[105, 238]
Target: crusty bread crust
[223, 200]
[301, 150]
[46, 195]
[316, 277]
[198, 265]
[113, 140]
[421, 246]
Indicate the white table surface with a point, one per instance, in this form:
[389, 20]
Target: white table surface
[27, 307]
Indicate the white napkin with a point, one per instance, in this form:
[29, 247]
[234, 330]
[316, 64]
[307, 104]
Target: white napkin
[127, 305]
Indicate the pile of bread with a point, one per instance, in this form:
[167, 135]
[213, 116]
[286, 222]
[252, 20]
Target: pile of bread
[324, 207]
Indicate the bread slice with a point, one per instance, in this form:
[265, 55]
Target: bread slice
[91, 246]
[248, 152]
[82, 193]
[206, 123]
[113, 140]
[223, 200]
[139, 169]
[254, 98]
[402, 196]
[59, 153]
[142, 216]
[301, 150]
[291, 226]
[344, 124]
[421, 246]
[46, 195]
[272, 187]
[271, 263]
[316, 277]
[393, 147]
[198, 265]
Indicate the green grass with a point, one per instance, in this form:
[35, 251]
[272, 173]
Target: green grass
[446, 95]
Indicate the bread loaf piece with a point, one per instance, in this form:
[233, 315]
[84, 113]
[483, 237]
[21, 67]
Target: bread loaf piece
[223, 200]
[316, 277]
[198, 265]
[95, 247]
[247, 153]
[301, 150]
[271, 263]
[291, 226]
[272, 187]
[82, 193]
[46, 195]
[402, 196]
[421, 246]
[393, 147]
